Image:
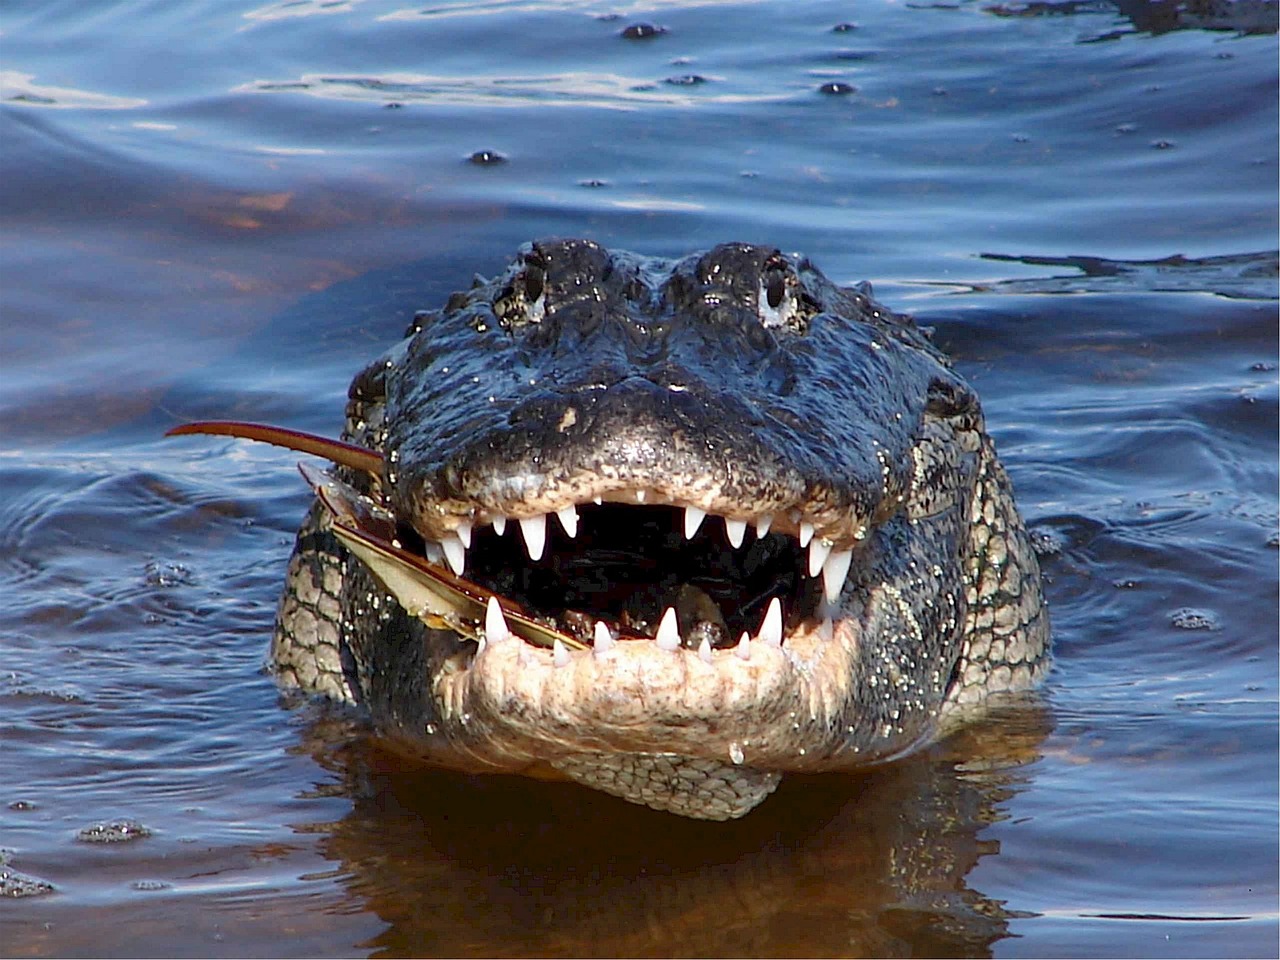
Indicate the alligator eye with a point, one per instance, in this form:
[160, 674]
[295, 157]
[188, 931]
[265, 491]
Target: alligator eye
[775, 305]
[523, 299]
[534, 277]
[774, 290]
[782, 300]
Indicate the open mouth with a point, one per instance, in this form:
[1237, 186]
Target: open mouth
[615, 569]
[656, 571]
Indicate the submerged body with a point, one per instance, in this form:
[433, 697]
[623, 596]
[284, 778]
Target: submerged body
[782, 540]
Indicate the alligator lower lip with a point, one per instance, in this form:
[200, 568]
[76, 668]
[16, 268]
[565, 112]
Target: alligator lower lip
[603, 572]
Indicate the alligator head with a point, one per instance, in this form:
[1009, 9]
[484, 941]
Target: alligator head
[668, 529]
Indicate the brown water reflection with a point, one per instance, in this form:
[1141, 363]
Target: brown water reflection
[874, 864]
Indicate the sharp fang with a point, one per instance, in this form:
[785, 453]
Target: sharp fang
[668, 633]
[743, 649]
[433, 551]
[640, 496]
[806, 533]
[569, 519]
[495, 624]
[464, 533]
[693, 518]
[834, 572]
[763, 523]
[819, 550]
[535, 535]
[499, 524]
[597, 500]
[604, 639]
[455, 553]
[771, 628]
[735, 530]
[559, 655]
[704, 650]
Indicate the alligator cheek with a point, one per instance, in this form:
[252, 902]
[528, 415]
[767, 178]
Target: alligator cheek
[783, 708]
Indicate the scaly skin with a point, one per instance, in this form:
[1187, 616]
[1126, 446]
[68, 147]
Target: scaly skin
[581, 374]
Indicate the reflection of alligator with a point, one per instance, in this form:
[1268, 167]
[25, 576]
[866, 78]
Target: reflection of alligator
[863, 582]
[877, 863]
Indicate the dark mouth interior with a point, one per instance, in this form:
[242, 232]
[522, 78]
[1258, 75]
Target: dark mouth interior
[628, 564]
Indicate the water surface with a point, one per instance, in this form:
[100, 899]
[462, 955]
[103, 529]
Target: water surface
[223, 210]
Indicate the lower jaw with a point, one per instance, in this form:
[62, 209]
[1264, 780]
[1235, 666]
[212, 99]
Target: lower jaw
[515, 705]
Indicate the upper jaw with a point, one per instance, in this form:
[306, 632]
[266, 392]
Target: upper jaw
[724, 453]
[827, 538]
[644, 447]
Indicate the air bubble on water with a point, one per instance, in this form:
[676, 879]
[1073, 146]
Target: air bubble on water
[114, 831]
[1189, 618]
[165, 573]
[150, 885]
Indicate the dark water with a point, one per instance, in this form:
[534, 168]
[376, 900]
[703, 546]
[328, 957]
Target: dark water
[212, 209]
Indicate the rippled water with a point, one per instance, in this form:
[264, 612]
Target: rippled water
[215, 209]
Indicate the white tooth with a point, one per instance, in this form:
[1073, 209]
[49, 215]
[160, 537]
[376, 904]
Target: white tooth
[455, 553]
[743, 649]
[763, 523]
[818, 551]
[559, 655]
[464, 533]
[604, 639]
[597, 500]
[499, 524]
[569, 519]
[640, 496]
[771, 628]
[480, 645]
[668, 633]
[693, 518]
[834, 572]
[433, 551]
[495, 624]
[704, 650]
[806, 532]
[535, 535]
[735, 530]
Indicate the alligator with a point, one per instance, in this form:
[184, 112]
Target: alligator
[669, 529]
